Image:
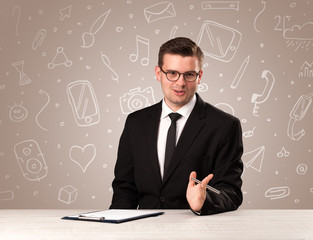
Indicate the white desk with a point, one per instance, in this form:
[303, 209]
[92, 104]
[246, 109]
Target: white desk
[174, 224]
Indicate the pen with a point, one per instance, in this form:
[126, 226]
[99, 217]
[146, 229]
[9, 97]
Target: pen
[91, 217]
[240, 72]
[207, 186]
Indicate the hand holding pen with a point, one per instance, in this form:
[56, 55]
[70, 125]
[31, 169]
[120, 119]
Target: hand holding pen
[212, 189]
[196, 191]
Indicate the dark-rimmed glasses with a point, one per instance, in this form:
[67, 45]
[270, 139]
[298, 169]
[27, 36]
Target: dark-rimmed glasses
[173, 76]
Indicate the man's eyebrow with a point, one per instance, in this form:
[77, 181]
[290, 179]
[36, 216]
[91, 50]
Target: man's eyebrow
[172, 70]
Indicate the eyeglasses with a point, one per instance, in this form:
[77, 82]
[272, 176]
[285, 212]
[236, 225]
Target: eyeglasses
[173, 76]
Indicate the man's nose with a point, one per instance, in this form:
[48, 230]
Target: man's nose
[181, 80]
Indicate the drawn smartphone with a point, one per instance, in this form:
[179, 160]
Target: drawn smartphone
[31, 160]
[301, 107]
[218, 41]
[84, 103]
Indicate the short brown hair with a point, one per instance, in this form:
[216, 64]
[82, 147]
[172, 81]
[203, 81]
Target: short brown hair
[181, 46]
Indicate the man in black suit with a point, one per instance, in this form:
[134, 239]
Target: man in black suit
[208, 144]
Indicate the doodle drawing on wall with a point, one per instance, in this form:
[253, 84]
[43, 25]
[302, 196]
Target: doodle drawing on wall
[31, 160]
[84, 103]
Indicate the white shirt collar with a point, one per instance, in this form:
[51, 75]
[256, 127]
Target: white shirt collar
[184, 111]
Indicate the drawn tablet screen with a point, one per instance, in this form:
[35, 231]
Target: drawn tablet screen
[218, 41]
[84, 103]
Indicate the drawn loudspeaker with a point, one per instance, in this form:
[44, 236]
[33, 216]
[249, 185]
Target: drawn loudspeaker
[31, 160]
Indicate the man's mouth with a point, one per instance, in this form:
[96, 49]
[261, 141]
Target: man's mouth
[179, 92]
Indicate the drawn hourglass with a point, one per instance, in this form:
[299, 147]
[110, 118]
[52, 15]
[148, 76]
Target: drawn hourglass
[24, 79]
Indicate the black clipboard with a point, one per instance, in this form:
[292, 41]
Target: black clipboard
[114, 215]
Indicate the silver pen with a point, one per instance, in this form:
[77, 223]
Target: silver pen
[212, 189]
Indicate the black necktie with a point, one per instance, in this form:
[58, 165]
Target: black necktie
[171, 140]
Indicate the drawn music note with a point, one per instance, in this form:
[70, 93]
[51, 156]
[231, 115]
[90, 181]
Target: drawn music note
[144, 42]
[107, 63]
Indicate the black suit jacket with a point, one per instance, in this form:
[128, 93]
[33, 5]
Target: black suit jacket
[211, 142]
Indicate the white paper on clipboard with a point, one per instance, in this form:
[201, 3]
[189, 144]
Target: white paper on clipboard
[114, 215]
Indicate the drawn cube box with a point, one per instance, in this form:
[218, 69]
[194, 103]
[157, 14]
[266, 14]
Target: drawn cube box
[68, 194]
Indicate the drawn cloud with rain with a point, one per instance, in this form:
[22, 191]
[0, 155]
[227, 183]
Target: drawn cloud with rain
[304, 32]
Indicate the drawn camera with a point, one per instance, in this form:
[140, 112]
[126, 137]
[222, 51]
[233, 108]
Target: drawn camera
[136, 99]
[30, 159]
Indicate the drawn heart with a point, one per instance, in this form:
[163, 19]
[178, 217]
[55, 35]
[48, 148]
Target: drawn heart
[83, 156]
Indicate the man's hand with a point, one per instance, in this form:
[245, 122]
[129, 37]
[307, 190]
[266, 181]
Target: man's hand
[196, 193]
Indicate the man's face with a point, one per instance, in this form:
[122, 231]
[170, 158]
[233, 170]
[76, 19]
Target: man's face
[179, 93]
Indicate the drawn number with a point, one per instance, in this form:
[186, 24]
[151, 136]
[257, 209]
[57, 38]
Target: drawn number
[281, 22]
[278, 28]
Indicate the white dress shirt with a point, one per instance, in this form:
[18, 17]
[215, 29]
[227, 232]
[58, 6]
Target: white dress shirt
[165, 123]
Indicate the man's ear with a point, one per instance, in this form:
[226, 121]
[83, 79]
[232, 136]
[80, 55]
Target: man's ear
[200, 77]
[157, 71]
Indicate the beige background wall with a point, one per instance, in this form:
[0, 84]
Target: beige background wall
[71, 71]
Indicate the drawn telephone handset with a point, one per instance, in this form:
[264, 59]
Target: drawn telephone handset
[84, 103]
[256, 98]
[31, 160]
[297, 113]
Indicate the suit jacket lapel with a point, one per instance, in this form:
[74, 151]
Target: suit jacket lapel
[191, 130]
[152, 137]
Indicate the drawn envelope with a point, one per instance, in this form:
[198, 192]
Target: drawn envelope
[159, 11]
[218, 41]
